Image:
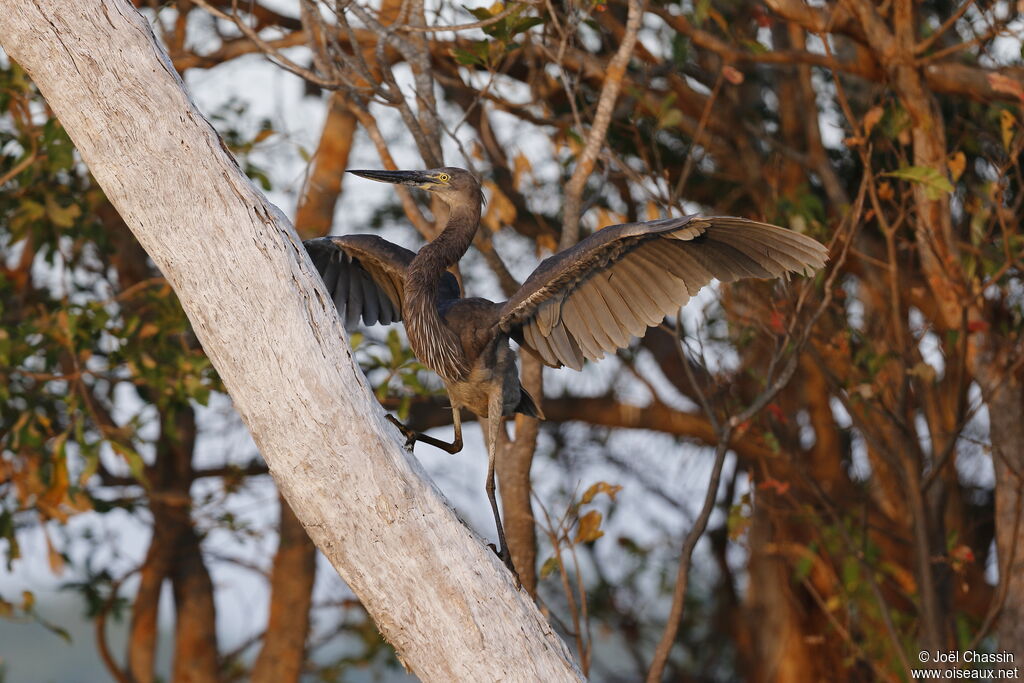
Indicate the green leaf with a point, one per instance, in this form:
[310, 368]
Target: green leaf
[92, 465]
[755, 47]
[59, 149]
[670, 119]
[934, 181]
[27, 213]
[700, 11]
[803, 567]
[136, 465]
[62, 216]
[481, 13]
[550, 565]
[463, 57]
[468, 57]
[260, 176]
[738, 521]
[394, 345]
[851, 572]
[524, 24]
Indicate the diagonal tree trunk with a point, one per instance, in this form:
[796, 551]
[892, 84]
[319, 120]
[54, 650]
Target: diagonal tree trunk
[438, 595]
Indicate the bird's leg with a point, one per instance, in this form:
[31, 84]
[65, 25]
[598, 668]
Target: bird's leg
[493, 425]
[411, 437]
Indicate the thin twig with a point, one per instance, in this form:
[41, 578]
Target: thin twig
[508, 11]
[602, 119]
[701, 125]
[991, 33]
[272, 54]
[18, 167]
[100, 625]
[668, 636]
[946, 25]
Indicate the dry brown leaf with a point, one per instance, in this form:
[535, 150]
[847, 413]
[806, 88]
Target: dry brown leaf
[53, 557]
[1007, 123]
[600, 487]
[522, 167]
[732, 74]
[477, 151]
[957, 164]
[885, 191]
[546, 243]
[872, 118]
[589, 527]
[500, 210]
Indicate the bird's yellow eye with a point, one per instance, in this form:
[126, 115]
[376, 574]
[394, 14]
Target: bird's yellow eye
[444, 177]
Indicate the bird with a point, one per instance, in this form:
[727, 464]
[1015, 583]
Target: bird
[580, 303]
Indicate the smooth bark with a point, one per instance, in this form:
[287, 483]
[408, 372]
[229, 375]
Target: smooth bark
[438, 595]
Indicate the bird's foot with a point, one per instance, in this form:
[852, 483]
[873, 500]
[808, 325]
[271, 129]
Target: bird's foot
[506, 557]
[410, 435]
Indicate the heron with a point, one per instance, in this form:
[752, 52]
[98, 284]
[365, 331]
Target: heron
[580, 303]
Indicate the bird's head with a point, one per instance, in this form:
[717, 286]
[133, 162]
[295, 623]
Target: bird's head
[455, 186]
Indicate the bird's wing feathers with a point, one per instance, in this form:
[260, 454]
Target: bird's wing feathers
[590, 299]
[365, 276]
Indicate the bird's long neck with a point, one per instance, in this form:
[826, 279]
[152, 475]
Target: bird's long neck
[445, 250]
[434, 343]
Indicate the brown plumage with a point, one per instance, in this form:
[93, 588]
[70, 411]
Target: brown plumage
[584, 302]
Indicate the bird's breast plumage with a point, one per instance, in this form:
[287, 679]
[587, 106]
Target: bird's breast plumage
[435, 345]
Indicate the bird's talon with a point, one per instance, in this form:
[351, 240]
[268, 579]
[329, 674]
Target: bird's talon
[506, 558]
[410, 435]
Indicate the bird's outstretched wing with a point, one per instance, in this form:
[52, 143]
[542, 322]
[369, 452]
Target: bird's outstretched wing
[365, 275]
[591, 298]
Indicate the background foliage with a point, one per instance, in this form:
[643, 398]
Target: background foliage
[862, 430]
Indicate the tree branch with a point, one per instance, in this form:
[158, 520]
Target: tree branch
[595, 138]
[283, 653]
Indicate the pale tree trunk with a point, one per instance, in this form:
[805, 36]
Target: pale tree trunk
[437, 594]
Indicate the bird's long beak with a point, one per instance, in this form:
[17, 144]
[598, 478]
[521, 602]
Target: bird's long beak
[414, 178]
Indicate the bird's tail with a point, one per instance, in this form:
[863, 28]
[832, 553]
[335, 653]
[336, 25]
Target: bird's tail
[527, 406]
